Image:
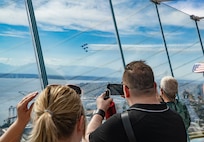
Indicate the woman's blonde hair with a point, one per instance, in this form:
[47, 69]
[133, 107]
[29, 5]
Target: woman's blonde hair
[55, 114]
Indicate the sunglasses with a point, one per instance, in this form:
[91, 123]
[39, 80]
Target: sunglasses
[77, 89]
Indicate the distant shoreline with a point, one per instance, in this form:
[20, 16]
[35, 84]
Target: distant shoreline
[77, 77]
[26, 75]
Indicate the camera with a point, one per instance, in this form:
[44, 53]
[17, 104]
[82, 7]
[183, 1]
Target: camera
[115, 89]
[112, 89]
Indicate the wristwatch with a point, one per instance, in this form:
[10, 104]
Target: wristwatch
[99, 112]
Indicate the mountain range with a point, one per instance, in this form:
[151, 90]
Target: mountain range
[59, 72]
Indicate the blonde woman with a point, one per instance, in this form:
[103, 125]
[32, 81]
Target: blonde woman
[58, 116]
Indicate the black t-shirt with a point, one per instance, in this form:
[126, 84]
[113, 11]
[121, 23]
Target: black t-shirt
[150, 122]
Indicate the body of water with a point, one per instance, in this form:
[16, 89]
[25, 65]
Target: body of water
[14, 89]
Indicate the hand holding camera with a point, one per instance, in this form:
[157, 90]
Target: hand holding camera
[105, 103]
[112, 89]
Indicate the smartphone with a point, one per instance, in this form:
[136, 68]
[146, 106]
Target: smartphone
[115, 89]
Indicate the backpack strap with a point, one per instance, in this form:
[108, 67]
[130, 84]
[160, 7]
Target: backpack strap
[128, 127]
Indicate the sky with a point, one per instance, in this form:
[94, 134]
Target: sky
[66, 25]
[191, 7]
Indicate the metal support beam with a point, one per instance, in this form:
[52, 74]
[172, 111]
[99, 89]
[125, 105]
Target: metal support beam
[196, 18]
[36, 44]
[167, 53]
[117, 34]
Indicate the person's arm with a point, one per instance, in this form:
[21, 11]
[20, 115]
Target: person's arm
[15, 131]
[97, 119]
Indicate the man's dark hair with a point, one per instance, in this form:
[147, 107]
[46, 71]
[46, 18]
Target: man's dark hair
[138, 75]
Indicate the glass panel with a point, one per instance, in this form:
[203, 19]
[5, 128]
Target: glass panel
[142, 39]
[80, 47]
[185, 50]
[18, 69]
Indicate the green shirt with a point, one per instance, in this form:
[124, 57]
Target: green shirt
[182, 110]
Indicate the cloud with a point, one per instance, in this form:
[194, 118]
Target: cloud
[16, 61]
[54, 61]
[89, 15]
[77, 15]
[191, 7]
[14, 33]
[144, 47]
[13, 14]
[3, 60]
